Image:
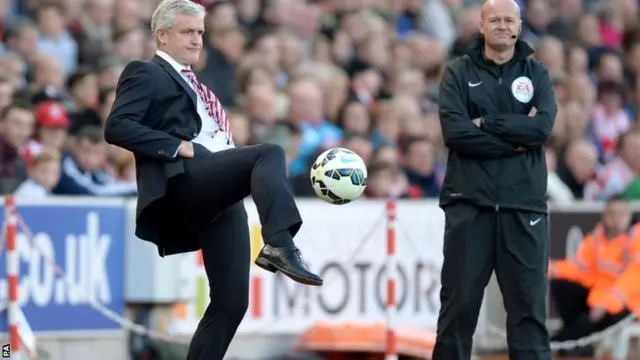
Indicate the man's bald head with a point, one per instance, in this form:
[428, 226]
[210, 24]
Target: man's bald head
[491, 6]
[500, 25]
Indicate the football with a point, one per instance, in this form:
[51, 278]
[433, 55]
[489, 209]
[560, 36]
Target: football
[339, 176]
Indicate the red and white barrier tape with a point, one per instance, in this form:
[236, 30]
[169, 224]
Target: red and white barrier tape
[391, 345]
[12, 276]
[10, 232]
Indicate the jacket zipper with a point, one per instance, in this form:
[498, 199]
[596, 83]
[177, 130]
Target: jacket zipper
[497, 192]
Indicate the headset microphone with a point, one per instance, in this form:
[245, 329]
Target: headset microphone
[514, 36]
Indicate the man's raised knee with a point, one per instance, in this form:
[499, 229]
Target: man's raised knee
[272, 150]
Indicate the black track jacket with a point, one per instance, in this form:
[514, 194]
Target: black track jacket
[483, 166]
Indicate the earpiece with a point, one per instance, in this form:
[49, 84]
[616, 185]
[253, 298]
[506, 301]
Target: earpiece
[517, 33]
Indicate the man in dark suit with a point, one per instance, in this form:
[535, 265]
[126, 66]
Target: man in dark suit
[192, 180]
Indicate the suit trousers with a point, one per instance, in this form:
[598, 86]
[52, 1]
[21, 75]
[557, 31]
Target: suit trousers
[214, 181]
[208, 198]
[478, 241]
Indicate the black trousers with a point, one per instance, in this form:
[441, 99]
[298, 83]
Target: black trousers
[208, 199]
[478, 241]
[571, 300]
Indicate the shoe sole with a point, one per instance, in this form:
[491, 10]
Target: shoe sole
[271, 267]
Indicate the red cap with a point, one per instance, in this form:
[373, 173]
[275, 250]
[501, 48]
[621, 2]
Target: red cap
[52, 114]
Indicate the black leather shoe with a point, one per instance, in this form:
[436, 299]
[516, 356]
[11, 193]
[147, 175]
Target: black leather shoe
[288, 261]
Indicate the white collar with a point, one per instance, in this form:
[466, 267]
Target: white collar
[174, 64]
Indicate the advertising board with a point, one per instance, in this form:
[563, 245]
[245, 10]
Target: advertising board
[346, 245]
[85, 242]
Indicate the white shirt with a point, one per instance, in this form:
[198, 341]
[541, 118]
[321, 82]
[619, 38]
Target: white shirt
[210, 136]
[31, 188]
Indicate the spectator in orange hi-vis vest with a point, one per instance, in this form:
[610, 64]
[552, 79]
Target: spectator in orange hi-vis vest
[600, 284]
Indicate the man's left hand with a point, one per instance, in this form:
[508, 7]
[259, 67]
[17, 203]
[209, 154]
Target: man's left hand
[596, 314]
[477, 121]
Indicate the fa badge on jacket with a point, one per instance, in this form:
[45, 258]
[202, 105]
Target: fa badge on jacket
[522, 89]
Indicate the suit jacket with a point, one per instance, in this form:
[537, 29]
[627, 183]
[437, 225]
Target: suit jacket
[154, 110]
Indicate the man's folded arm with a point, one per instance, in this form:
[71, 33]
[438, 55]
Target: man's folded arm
[460, 134]
[525, 130]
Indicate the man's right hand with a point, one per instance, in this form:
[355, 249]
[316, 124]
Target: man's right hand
[186, 149]
[521, 149]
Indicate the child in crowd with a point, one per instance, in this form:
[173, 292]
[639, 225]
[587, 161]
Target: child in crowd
[44, 174]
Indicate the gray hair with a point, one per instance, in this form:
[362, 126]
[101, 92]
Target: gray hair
[164, 17]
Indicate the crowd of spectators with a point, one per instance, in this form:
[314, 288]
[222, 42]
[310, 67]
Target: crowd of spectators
[310, 75]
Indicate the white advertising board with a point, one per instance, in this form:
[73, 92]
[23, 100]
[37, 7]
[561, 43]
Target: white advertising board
[346, 245]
